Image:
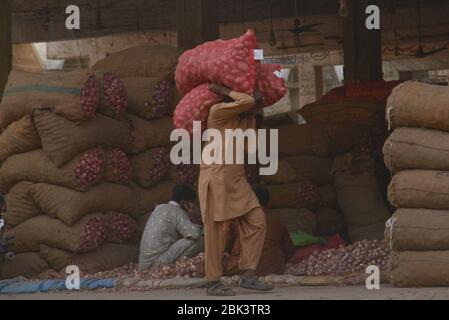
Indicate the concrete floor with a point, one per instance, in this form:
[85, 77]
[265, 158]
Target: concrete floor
[283, 293]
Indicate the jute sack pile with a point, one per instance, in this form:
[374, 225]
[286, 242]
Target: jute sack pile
[108, 257]
[420, 189]
[19, 137]
[419, 230]
[73, 95]
[142, 61]
[287, 196]
[21, 206]
[145, 96]
[296, 219]
[35, 166]
[417, 153]
[70, 206]
[27, 265]
[344, 137]
[66, 157]
[299, 168]
[160, 133]
[303, 140]
[417, 104]
[148, 198]
[419, 269]
[62, 139]
[29, 235]
[329, 222]
[359, 198]
[417, 148]
[150, 167]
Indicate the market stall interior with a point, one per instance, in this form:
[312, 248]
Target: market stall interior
[86, 117]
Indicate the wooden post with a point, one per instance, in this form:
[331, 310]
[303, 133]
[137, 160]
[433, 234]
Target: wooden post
[362, 47]
[5, 44]
[197, 22]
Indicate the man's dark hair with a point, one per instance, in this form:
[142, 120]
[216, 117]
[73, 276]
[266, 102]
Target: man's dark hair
[263, 195]
[182, 193]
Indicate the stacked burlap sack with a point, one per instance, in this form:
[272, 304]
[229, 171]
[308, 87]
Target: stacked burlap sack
[84, 159]
[323, 165]
[417, 153]
[356, 129]
[317, 190]
[301, 192]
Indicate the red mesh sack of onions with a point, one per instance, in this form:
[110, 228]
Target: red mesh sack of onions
[89, 168]
[270, 84]
[94, 234]
[150, 167]
[229, 63]
[117, 167]
[308, 194]
[114, 99]
[195, 106]
[122, 228]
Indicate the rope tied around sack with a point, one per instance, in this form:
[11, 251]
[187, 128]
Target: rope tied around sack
[390, 164]
[390, 224]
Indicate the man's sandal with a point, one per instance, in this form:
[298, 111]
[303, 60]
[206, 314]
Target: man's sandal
[217, 289]
[253, 283]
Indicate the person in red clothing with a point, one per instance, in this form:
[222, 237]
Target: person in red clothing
[278, 247]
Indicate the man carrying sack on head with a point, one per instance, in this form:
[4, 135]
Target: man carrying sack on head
[226, 196]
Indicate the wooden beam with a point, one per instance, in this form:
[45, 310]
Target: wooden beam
[362, 47]
[197, 22]
[5, 44]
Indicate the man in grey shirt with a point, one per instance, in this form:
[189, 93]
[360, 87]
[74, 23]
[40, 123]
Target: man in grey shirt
[169, 233]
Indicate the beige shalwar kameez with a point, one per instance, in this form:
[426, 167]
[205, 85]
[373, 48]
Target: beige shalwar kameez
[225, 195]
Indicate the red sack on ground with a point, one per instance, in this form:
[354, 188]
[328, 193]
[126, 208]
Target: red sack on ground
[335, 95]
[229, 63]
[334, 242]
[270, 84]
[195, 106]
[377, 89]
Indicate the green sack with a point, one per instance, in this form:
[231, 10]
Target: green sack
[302, 239]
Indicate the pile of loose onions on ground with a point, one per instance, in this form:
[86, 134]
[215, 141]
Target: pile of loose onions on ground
[344, 261]
[115, 94]
[89, 167]
[184, 267]
[90, 98]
